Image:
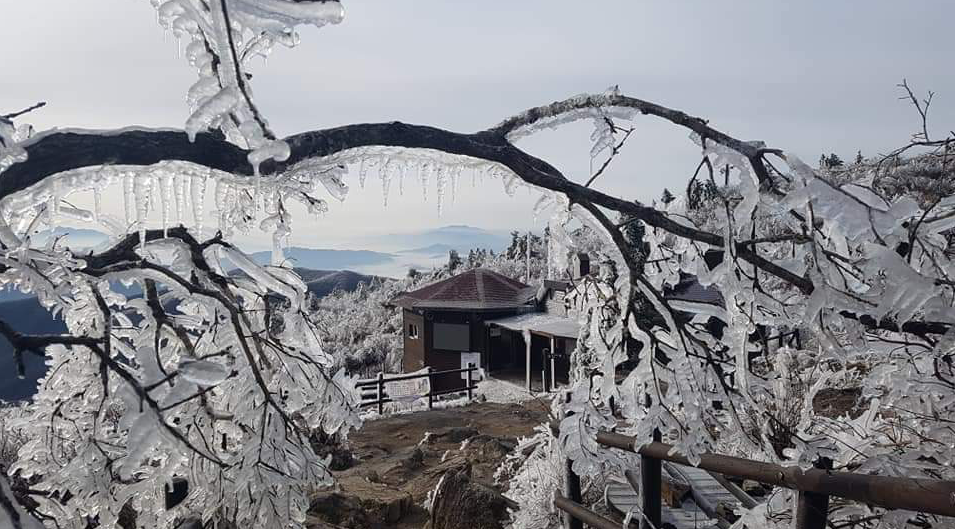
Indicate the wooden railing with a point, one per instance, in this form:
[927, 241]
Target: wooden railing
[380, 397]
[815, 486]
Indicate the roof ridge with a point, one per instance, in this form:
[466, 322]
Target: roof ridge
[479, 284]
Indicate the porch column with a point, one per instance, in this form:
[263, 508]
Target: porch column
[527, 362]
[553, 351]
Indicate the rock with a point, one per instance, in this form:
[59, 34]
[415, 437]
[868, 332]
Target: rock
[414, 460]
[373, 477]
[458, 498]
[375, 506]
[487, 448]
[454, 434]
[324, 444]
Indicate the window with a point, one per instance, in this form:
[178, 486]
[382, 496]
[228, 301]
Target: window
[412, 331]
[452, 336]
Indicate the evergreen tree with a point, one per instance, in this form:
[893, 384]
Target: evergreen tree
[667, 196]
[454, 260]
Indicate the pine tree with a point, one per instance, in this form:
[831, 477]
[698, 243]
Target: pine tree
[454, 261]
[667, 196]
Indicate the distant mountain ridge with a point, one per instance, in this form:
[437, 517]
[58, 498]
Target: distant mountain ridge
[327, 259]
[432, 250]
[457, 237]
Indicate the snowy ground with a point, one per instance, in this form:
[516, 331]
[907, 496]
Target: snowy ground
[504, 392]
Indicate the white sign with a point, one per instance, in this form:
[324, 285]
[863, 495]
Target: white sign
[473, 358]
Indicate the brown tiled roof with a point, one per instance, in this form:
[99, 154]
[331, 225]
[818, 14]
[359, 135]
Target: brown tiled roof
[478, 289]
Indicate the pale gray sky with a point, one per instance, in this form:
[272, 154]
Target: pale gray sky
[807, 76]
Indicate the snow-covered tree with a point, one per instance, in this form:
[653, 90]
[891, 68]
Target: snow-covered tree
[195, 381]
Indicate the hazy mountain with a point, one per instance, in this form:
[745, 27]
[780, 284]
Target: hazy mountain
[73, 238]
[325, 259]
[456, 237]
[26, 316]
[433, 250]
[323, 282]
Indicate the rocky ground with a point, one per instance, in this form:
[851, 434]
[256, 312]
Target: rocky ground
[401, 459]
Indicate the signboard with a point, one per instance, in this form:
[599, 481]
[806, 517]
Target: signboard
[408, 390]
[473, 358]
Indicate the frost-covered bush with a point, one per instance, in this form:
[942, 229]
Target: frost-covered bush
[11, 435]
[532, 473]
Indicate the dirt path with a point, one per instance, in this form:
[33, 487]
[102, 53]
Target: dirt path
[397, 468]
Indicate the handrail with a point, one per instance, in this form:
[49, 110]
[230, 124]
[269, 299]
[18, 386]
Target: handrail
[584, 514]
[372, 381]
[426, 395]
[379, 385]
[911, 494]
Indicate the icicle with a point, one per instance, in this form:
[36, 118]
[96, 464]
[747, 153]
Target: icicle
[165, 197]
[198, 184]
[142, 190]
[510, 183]
[180, 196]
[97, 204]
[402, 167]
[219, 201]
[256, 190]
[424, 173]
[52, 207]
[128, 199]
[441, 177]
[455, 175]
[362, 172]
[384, 172]
[542, 203]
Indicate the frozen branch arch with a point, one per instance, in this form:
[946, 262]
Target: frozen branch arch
[206, 376]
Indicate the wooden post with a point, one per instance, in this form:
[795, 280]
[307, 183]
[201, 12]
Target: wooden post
[430, 388]
[380, 391]
[470, 381]
[571, 485]
[650, 474]
[812, 508]
[527, 364]
[553, 351]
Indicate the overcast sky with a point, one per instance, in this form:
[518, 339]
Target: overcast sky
[804, 76]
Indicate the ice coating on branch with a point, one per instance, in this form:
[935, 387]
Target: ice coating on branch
[10, 137]
[596, 107]
[211, 111]
[203, 372]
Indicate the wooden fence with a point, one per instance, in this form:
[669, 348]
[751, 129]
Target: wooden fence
[815, 486]
[373, 389]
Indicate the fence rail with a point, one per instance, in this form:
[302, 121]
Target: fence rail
[381, 398]
[815, 486]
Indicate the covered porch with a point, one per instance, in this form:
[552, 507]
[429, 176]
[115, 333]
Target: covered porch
[531, 348]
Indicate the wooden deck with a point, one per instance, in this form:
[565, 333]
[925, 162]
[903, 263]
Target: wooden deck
[689, 515]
